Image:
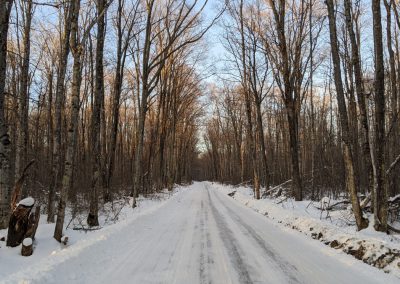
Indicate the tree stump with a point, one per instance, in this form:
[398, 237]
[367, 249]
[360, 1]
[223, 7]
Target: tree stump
[19, 220]
[27, 247]
[33, 223]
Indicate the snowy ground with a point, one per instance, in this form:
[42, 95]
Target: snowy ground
[199, 235]
[48, 253]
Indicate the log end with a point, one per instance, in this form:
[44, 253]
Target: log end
[27, 247]
[64, 240]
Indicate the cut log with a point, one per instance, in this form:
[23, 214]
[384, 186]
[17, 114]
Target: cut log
[27, 247]
[18, 225]
[33, 223]
[64, 240]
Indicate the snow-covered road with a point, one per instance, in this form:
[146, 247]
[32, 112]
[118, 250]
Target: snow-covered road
[204, 236]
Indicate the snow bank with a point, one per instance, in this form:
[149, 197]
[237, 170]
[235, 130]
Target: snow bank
[333, 228]
[50, 253]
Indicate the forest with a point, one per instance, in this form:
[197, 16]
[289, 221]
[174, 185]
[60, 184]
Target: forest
[101, 99]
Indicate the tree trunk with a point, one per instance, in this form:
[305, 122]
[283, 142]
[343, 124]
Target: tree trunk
[19, 222]
[392, 185]
[256, 180]
[59, 106]
[5, 144]
[260, 130]
[360, 94]
[77, 50]
[23, 100]
[97, 182]
[380, 193]
[119, 73]
[344, 124]
[138, 176]
[294, 151]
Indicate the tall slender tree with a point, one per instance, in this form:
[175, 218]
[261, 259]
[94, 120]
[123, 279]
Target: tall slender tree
[98, 169]
[5, 144]
[381, 191]
[344, 123]
[77, 52]
[23, 97]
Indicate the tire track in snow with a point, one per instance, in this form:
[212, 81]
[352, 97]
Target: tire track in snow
[204, 269]
[230, 244]
[289, 270]
[205, 248]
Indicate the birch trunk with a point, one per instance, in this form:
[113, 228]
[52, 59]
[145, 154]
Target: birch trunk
[77, 51]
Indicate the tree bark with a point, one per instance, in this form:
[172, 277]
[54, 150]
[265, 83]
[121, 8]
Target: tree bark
[381, 192]
[77, 51]
[394, 116]
[5, 144]
[19, 224]
[97, 175]
[23, 99]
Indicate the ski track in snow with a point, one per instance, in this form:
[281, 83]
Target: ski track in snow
[203, 236]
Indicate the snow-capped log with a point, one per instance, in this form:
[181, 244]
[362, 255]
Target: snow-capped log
[27, 247]
[64, 240]
[23, 222]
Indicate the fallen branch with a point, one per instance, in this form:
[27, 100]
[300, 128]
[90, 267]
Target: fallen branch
[282, 200]
[393, 165]
[329, 208]
[365, 201]
[120, 210]
[86, 229]
[277, 187]
[393, 229]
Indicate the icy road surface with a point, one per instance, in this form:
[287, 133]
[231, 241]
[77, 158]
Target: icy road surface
[204, 236]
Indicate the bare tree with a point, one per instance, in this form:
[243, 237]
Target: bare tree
[77, 52]
[98, 170]
[179, 26]
[124, 33]
[380, 192]
[56, 167]
[23, 99]
[287, 54]
[344, 124]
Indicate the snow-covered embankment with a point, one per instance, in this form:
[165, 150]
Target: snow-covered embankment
[333, 228]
